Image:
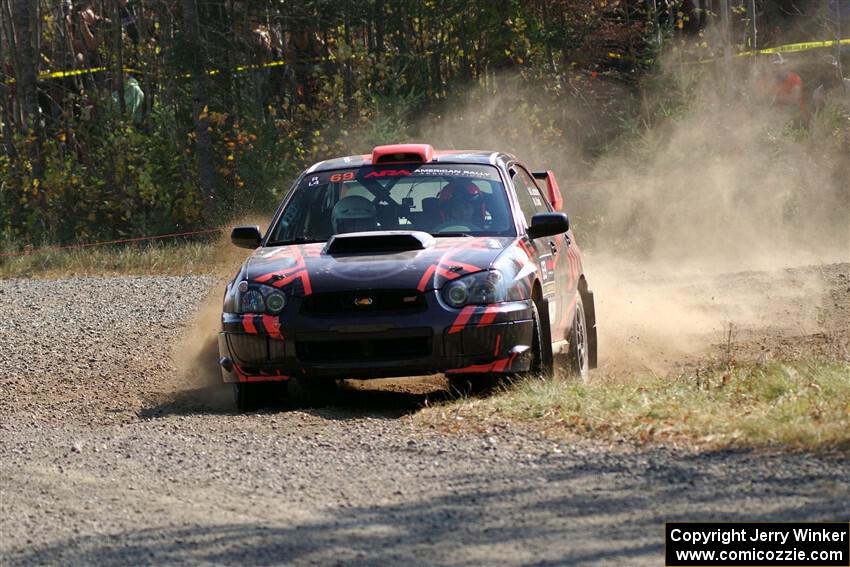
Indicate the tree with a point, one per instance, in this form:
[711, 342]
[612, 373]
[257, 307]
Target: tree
[200, 109]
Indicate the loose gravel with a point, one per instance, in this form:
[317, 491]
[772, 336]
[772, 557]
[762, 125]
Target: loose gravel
[106, 459]
[89, 348]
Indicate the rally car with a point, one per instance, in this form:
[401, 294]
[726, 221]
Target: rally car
[407, 262]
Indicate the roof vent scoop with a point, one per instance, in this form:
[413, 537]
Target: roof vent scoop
[378, 242]
[402, 153]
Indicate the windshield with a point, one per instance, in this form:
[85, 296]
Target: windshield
[444, 200]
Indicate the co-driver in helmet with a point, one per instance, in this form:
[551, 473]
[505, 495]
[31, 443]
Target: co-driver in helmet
[461, 206]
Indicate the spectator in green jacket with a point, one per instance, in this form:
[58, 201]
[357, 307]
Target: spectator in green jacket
[134, 99]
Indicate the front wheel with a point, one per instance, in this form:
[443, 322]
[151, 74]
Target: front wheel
[310, 391]
[470, 384]
[251, 396]
[542, 363]
[578, 361]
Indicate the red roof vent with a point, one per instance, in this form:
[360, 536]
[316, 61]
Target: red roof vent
[402, 153]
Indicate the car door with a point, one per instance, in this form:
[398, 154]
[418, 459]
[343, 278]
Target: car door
[552, 253]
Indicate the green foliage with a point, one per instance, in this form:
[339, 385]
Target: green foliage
[355, 75]
[103, 179]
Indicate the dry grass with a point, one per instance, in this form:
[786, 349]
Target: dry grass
[793, 405]
[154, 258]
[215, 255]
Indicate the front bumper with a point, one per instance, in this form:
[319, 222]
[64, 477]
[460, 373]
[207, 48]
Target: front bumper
[434, 339]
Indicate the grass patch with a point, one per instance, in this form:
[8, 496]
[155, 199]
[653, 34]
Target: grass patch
[215, 255]
[795, 405]
[157, 258]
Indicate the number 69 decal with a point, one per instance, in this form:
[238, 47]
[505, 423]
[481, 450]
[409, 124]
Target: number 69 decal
[348, 176]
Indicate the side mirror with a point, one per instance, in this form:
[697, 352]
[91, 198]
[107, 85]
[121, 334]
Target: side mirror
[548, 224]
[246, 236]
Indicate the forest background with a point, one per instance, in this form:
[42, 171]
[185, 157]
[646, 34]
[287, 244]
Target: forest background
[144, 117]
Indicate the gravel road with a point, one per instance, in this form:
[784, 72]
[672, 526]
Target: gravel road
[108, 456]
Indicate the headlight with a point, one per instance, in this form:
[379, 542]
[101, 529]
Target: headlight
[475, 289]
[275, 302]
[252, 302]
[259, 299]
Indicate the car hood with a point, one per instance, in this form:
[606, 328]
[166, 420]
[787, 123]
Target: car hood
[305, 269]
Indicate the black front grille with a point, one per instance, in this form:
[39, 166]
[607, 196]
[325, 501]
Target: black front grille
[353, 350]
[364, 302]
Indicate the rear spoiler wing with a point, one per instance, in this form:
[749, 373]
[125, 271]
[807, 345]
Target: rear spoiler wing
[552, 184]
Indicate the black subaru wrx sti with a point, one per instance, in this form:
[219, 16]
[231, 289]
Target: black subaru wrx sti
[407, 262]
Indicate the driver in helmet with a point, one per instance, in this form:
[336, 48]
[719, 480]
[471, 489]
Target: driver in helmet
[354, 214]
[462, 204]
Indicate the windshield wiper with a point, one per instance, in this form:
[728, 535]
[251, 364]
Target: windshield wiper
[299, 240]
[439, 234]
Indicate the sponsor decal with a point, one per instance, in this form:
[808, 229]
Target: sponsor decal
[487, 173]
[388, 173]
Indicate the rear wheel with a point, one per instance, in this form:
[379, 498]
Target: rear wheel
[578, 357]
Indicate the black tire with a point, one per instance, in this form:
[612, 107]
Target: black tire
[250, 396]
[590, 319]
[542, 361]
[467, 384]
[310, 392]
[578, 356]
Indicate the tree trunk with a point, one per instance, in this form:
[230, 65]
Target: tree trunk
[347, 73]
[379, 26]
[379, 43]
[118, 46]
[25, 70]
[200, 109]
[26, 76]
[9, 29]
[5, 112]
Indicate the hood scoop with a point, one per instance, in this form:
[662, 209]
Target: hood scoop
[378, 242]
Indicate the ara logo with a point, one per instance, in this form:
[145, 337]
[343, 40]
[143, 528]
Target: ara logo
[388, 173]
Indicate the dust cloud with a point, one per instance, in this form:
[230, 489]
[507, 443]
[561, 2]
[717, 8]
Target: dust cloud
[197, 375]
[711, 179]
[196, 354]
[678, 188]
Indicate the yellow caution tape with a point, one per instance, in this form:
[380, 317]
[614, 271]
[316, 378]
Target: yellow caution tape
[210, 72]
[612, 55]
[62, 74]
[788, 48]
[74, 73]
[242, 68]
[792, 47]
